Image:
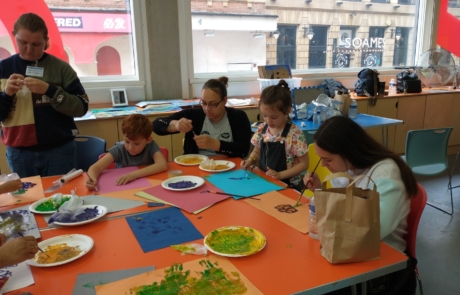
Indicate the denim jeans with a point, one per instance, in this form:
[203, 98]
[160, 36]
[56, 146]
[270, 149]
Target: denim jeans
[55, 161]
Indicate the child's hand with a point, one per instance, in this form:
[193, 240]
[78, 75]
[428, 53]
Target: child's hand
[125, 179]
[312, 182]
[247, 164]
[272, 173]
[90, 185]
[12, 185]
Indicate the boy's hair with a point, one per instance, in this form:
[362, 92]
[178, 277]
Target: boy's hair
[277, 96]
[32, 23]
[137, 125]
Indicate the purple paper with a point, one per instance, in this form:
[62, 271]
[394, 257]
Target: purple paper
[191, 200]
[108, 179]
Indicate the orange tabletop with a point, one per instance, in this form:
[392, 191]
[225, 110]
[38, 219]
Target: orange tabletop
[290, 262]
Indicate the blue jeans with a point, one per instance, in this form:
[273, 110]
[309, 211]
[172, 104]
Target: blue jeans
[55, 161]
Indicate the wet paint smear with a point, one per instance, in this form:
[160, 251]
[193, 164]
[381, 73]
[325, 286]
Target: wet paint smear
[286, 208]
[212, 280]
[182, 184]
[51, 204]
[57, 253]
[24, 188]
[235, 241]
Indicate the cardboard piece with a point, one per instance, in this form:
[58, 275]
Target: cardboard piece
[274, 72]
[198, 278]
[191, 200]
[86, 282]
[281, 207]
[30, 195]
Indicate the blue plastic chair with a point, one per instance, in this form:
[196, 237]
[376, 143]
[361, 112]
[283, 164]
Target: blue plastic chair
[426, 154]
[89, 148]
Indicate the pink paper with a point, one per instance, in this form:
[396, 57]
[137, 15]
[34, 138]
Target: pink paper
[191, 200]
[108, 179]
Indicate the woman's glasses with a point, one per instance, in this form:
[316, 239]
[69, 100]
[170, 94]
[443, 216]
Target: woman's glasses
[210, 105]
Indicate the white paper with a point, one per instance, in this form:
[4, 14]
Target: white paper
[70, 176]
[19, 275]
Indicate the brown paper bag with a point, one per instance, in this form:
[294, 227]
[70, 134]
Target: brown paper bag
[346, 101]
[348, 221]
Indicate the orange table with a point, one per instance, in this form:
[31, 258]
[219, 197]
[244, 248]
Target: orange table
[290, 262]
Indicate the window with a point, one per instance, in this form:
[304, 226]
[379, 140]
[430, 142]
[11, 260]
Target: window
[96, 37]
[345, 36]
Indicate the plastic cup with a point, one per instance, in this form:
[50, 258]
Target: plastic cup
[174, 173]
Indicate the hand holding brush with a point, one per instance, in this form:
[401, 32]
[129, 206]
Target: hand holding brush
[306, 185]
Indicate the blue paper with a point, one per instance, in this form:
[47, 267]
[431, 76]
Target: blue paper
[235, 182]
[162, 228]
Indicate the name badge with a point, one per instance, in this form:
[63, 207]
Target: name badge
[34, 71]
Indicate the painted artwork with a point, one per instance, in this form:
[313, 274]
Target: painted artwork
[31, 191]
[283, 208]
[212, 275]
[162, 228]
[241, 183]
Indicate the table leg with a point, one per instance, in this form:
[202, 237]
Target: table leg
[364, 288]
[354, 290]
[385, 136]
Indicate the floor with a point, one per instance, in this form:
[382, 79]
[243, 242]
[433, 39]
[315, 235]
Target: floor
[438, 236]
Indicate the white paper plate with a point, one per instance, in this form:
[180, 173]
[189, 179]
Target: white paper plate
[179, 160]
[253, 247]
[101, 212]
[229, 164]
[198, 180]
[84, 243]
[36, 203]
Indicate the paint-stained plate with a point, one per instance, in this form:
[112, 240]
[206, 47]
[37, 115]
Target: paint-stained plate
[198, 181]
[81, 242]
[190, 159]
[33, 206]
[218, 166]
[235, 241]
[101, 211]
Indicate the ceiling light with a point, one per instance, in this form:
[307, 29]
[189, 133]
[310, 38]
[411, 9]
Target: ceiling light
[209, 33]
[258, 35]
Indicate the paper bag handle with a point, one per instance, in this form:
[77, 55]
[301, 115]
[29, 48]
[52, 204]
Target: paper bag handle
[333, 176]
[349, 201]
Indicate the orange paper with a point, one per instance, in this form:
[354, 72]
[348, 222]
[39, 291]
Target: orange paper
[129, 194]
[272, 204]
[31, 195]
[196, 282]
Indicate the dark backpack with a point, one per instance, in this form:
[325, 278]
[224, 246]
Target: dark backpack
[367, 84]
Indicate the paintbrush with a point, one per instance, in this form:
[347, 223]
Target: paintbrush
[306, 185]
[19, 233]
[95, 187]
[245, 170]
[221, 193]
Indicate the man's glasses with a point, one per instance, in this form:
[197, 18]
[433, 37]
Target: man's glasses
[210, 105]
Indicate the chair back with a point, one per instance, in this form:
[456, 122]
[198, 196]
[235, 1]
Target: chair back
[322, 172]
[165, 152]
[426, 150]
[88, 150]
[417, 204]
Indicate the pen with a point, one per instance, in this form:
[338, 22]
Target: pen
[95, 187]
[19, 233]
